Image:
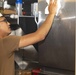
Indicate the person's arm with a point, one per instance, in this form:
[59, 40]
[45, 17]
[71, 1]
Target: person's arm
[41, 33]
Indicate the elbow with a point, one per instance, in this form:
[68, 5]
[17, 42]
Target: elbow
[41, 37]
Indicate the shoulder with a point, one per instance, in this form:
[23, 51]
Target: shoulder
[11, 42]
[11, 39]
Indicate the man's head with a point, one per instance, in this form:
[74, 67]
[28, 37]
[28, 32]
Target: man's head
[4, 26]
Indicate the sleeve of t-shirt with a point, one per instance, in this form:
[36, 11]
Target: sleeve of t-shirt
[11, 43]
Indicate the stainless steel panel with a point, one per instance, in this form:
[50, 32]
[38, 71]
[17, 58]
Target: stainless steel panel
[75, 40]
[58, 49]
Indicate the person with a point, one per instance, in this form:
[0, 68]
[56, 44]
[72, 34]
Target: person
[10, 43]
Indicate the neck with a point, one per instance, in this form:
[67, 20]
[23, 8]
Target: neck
[2, 35]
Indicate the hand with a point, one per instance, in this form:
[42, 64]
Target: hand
[52, 7]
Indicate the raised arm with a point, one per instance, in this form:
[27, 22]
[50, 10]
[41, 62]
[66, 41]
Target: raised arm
[41, 33]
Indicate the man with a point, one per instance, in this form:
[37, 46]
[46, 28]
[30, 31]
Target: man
[8, 43]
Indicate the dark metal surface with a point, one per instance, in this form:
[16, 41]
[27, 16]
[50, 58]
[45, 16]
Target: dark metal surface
[58, 49]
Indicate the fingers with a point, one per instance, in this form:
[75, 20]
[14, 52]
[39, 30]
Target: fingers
[53, 1]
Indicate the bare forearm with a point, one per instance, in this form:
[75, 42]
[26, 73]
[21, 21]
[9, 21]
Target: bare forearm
[39, 35]
[45, 27]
